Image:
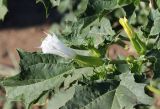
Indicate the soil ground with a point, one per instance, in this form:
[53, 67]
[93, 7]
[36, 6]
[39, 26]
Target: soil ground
[11, 39]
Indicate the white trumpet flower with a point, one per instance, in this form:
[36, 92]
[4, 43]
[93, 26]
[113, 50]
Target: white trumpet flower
[52, 45]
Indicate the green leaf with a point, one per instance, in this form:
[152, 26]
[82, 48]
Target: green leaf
[127, 95]
[156, 27]
[158, 3]
[30, 93]
[41, 66]
[100, 31]
[121, 2]
[60, 98]
[3, 9]
[55, 2]
[126, 2]
[64, 5]
[85, 95]
[134, 91]
[123, 68]
[100, 5]
[155, 17]
[81, 8]
[102, 102]
[154, 56]
[93, 34]
[36, 57]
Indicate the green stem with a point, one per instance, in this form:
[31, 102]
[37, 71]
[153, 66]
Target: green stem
[138, 45]
[118, 62]
[89, 60]
[135, 45]
[154, 90]
[142, 45]
[95, 52]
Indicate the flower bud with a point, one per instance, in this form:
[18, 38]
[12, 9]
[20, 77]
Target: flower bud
[139, 45]
[127, 27]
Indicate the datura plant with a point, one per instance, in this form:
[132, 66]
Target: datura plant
[104, 54]
[51, 44]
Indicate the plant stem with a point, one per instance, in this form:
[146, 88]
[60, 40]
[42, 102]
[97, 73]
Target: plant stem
[117, 62]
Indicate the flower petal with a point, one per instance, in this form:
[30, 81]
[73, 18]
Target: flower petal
[51, 44]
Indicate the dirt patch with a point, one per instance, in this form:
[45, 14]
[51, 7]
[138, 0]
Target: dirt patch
[11, 39]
